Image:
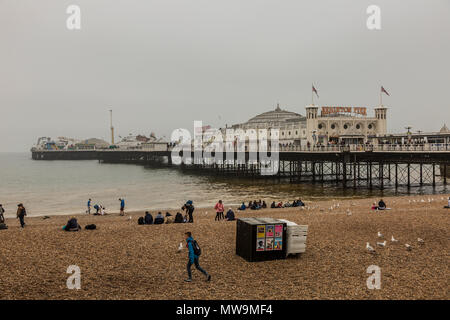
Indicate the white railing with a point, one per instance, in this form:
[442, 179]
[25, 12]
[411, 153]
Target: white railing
[429, 147]
[364, 148]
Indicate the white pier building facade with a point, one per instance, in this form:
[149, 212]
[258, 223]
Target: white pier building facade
[322, 125]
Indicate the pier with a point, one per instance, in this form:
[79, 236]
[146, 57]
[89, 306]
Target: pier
[351, 166]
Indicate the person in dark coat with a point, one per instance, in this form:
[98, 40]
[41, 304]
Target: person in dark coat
[189, 207]
[72, 225]
[230, 215]
[148, 218]
[2, 211]
[178, 218]
[159, 219]
[21, 213]
[381, 205]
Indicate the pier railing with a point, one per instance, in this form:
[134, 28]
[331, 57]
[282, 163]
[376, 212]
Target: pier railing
[367, 148]
[428, 147]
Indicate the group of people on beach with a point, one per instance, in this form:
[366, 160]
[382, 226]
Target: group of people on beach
[219, 207]
[188, 217]
[100, 210]
[261, 204]
[381, 205]
[20, 214]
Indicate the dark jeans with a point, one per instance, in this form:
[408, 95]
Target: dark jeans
[189, 264]
[219, 216]
[22, 221]
[191, 218]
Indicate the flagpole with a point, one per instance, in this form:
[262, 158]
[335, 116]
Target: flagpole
[312, 95]
[381, 98]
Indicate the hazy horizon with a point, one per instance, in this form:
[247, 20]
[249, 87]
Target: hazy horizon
[162, 64]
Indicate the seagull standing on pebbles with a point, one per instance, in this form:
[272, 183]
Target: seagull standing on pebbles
[180, 247]
[408, 247]
[380, 235]
[393, 239]
[370, 248]
[381, 244]
[421, 241]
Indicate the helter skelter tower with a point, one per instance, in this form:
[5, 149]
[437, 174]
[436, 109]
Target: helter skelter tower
[112, 128]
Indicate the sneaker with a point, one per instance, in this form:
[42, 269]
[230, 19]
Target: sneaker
[208, 278]
[188, 280]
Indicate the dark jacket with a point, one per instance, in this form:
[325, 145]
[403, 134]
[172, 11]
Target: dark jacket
[159, 219]
[21, 212]
[178, 218]
[148, 219]
[230, 215]
[72, 225]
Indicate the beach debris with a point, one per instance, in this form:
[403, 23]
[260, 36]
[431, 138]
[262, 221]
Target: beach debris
[393, 239]
[45, 217]
[381, 244]
[380, 235]
[370, 248]
[408, 247]
[421, 241]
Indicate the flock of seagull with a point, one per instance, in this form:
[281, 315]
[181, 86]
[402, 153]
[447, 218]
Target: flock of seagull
[383, 244]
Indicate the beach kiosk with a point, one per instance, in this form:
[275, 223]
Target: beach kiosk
[260, 239]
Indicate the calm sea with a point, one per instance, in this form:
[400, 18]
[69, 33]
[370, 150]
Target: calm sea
[63, 187]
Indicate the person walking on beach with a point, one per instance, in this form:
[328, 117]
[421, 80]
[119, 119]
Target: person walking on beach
[219, 211]
[88, 211]
[21, 213]
[122, 206]
[2, 211]
[189, 207]
[193, 257]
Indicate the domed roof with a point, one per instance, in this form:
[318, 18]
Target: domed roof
[277, 116]
[444, 129]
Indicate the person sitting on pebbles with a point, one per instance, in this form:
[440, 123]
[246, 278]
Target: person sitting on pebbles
[72, 225]
[159, 219]
[381, 205]
[448, 204]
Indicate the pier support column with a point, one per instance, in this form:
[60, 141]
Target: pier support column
[313, 169]
[445, 174]
[409, 175]
[381, 174]
[434, 175]
[396, 175]
[421, 174]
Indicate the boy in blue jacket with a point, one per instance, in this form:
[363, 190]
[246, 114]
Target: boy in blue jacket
[193, 258]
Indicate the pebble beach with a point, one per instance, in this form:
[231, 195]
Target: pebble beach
[124, 260]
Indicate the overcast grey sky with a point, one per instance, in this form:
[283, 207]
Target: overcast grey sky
[160, 64]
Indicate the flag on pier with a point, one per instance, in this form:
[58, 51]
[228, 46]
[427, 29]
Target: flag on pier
[383, 90]
[315, 91]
